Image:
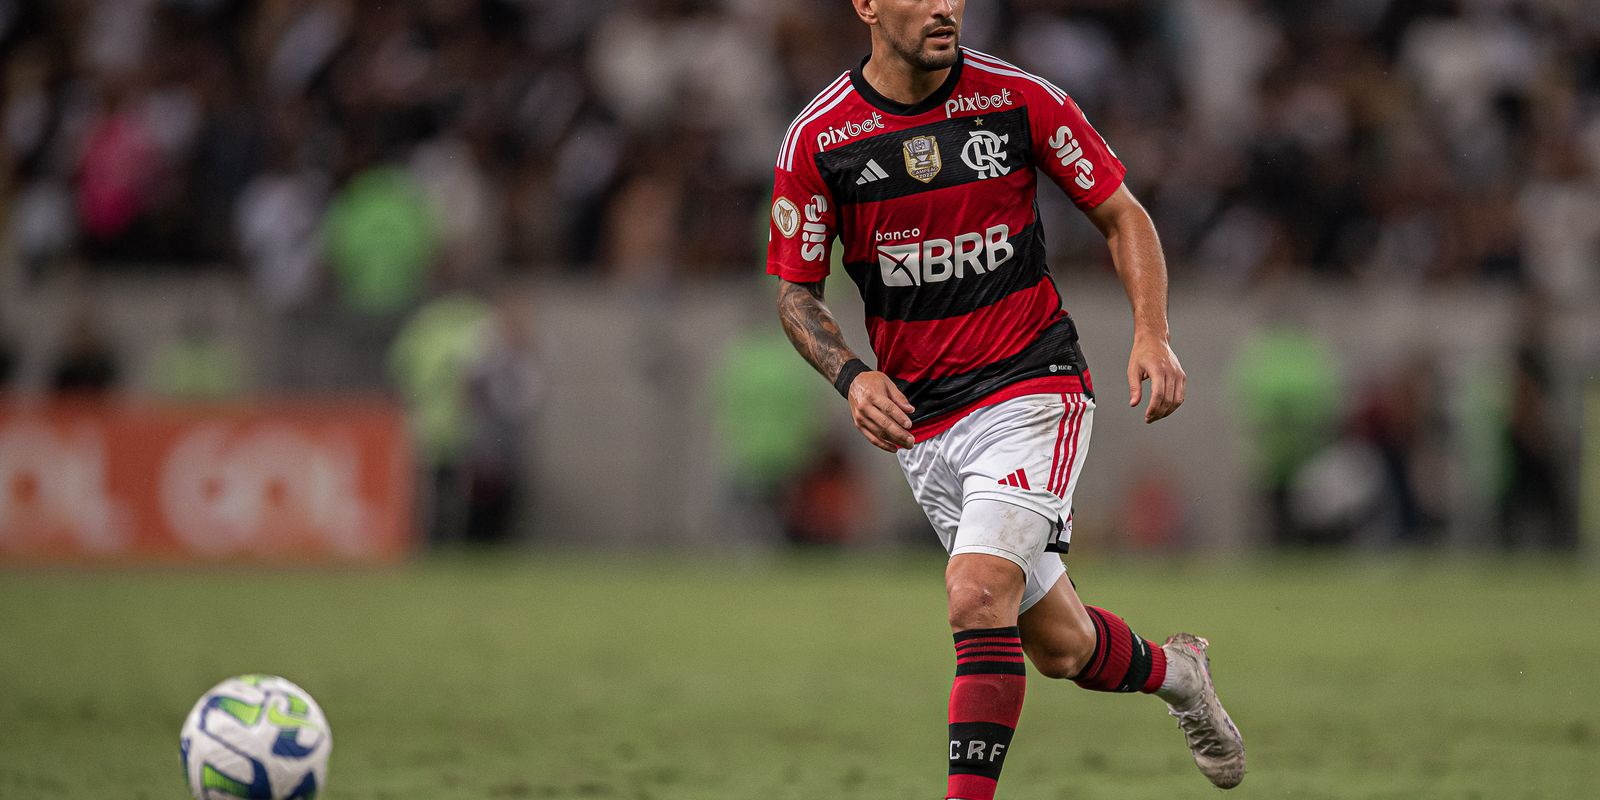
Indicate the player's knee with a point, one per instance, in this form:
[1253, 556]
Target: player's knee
[975, 605]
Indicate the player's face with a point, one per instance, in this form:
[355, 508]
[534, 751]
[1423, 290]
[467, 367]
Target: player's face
[926, 33]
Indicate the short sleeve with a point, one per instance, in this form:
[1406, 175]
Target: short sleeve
[802, 225]
[1068, 149]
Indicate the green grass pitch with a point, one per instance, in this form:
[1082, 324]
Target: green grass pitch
[569, 677]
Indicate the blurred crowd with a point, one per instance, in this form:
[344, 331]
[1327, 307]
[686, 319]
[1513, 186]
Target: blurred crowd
[391, 159]
[359, 147]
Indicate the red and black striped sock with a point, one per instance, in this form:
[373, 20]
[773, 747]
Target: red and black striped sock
[985, 703]
[1122, 661]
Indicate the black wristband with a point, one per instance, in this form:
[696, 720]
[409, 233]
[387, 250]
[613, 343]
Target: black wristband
[847, 375]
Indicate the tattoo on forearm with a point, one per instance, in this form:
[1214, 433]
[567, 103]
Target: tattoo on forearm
[811, 327]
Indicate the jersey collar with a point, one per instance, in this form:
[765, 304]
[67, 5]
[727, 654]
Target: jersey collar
[864, 88]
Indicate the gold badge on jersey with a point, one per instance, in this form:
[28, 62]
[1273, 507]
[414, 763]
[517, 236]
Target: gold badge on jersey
[786, 217]
[922, 158]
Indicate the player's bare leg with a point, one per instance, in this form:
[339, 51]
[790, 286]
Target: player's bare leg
[1062, 638]
[984, 591]
[986, 698]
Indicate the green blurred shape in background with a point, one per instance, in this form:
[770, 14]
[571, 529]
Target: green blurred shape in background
[381, 238]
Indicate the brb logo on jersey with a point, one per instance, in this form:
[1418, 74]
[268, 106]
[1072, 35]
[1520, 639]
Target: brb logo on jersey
[980, 102]
[939, 260]
[848, 131]
[985, 152]
[1071, 155]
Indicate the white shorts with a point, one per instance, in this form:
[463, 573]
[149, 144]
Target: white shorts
[1028, 452]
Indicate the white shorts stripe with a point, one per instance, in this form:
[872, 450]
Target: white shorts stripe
[1066, 439]
[791, 139]
[1074, 435]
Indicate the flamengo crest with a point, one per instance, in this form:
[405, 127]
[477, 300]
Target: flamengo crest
[922, 158]
[985, 153]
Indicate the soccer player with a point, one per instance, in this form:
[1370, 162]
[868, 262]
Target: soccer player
[923, 162]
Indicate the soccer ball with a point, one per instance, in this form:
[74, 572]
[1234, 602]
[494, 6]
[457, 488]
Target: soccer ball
[258, 737]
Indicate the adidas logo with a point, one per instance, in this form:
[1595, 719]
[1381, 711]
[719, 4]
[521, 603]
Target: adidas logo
[1018, 479]
[873, 172]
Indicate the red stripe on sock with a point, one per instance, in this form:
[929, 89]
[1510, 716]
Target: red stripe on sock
[1116, 652]
[1016, 659]
[1113, 656]
[987, 698]
[993, 648]
[1005, 640]
[1158, 670]
[970, 787]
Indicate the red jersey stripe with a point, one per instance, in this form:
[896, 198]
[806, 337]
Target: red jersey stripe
[938, 348]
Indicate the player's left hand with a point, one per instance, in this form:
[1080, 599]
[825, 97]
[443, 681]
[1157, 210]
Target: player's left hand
[1153, 360]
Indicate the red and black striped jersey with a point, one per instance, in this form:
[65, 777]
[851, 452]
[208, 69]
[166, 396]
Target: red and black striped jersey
[934, 207]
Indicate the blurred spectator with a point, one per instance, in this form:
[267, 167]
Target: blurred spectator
[770, 420]
[430, 363]
[1399, 419]
[1536, 507]
[1154, 516]
[505, 390]
[87, 366]
[826, 505]
[276, 222]
[381, 240]
[1287, 384]
[1339, 496]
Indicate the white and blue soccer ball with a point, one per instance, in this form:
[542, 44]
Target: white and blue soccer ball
[257, 737]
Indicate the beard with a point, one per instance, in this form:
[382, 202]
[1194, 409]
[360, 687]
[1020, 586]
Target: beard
[920, 57]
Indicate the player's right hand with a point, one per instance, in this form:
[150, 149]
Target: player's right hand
[880, 410]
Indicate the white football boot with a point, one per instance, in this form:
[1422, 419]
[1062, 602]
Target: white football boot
[1213, 739]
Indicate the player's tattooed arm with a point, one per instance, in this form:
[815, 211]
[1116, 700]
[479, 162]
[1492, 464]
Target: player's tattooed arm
[878, 407]
[812, 328]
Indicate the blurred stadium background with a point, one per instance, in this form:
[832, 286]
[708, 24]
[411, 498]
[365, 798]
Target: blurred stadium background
[331, 282]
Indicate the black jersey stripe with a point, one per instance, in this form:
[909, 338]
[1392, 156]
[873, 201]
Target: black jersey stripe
[1054, 352]
[848, 173]
[957, 296]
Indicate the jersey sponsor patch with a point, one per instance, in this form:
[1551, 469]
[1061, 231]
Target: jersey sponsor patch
[786, 217]
[849, 130]
[815, 248]
[977, 102]
[1070, 152]
[939, 260]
